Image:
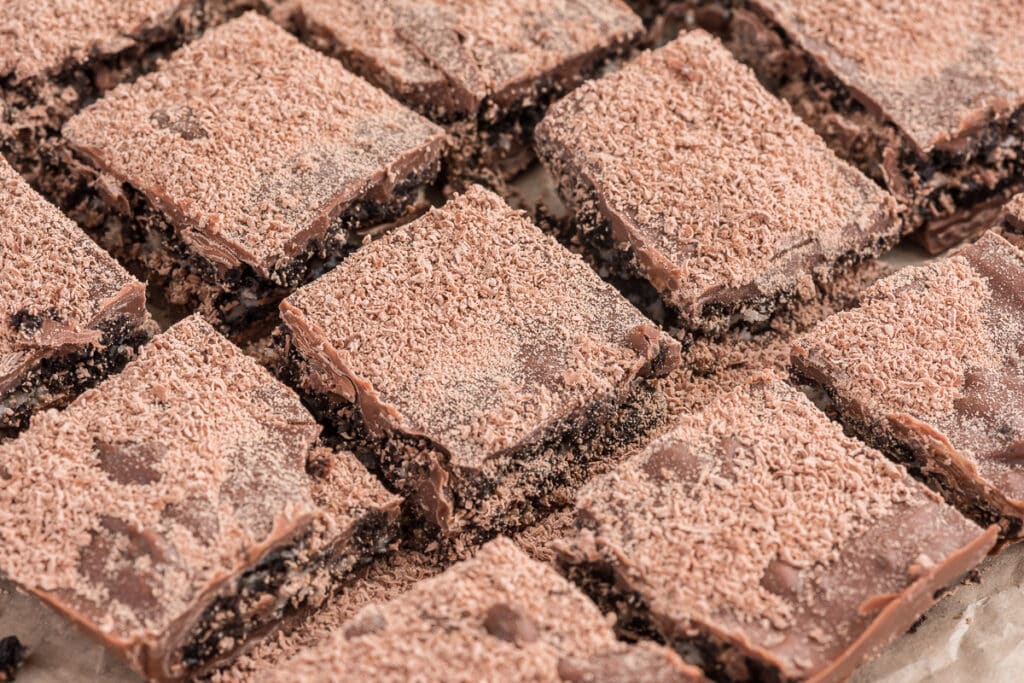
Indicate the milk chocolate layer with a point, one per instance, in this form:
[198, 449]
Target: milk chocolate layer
[765, 544]
[482, 354]
[498, 616]
[69, 314]
[253, 151]
[707, 186]
[925, 97]
[171, 512]
[929, 368]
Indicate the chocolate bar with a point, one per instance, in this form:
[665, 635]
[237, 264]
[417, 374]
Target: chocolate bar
[683, 170]
[926, 98]
[497, 617]
[245, 166]
[183, 507]
[481, 367]
[60, 55]
[70, 314]
[488, 70]
[928, 368]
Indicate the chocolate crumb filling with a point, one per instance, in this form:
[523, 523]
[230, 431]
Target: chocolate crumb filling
[265, 596]
[56, 380]
[12, 655]
[593, 235]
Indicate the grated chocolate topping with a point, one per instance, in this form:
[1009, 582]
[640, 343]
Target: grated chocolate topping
[473, 328]
[940, 344]
[719, 190]
[759, 522]
[127, 510]
[498, 616]
[56, 286]
[41, 38]
[477, 49]
[939, 69]
[252, 143]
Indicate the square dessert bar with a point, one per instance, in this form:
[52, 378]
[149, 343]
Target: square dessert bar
[487, 69]
[929, 368]
[183, 507]
[681, 168]
[499, 616]
[69, 314]
[766, 545]
[60, 55]
[245, 166]
[925, 97]
[483, 368]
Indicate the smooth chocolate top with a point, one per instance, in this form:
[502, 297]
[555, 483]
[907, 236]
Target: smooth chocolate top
[760, 522]
[473, 328]
[56, 285]
[499, 616]
[435, 53]
[42, 37]
[128, 508]
[940, 344]
[251, 143]
[720, 190]
[939, 69]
